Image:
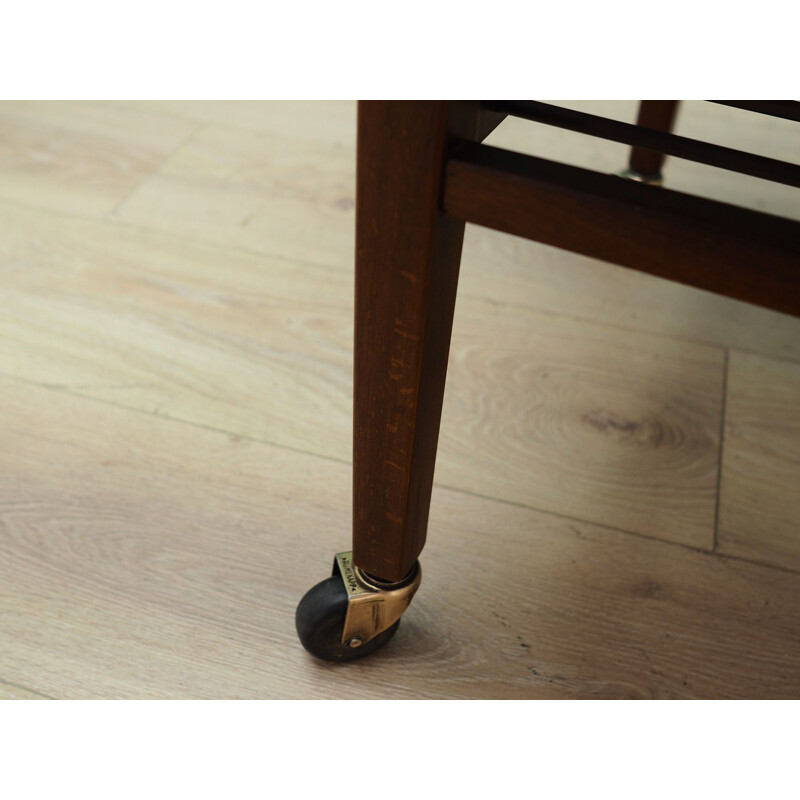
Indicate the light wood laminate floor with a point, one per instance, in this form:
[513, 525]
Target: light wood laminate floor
[618, 485]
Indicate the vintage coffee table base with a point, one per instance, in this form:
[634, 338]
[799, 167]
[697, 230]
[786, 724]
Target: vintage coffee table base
[422, 173]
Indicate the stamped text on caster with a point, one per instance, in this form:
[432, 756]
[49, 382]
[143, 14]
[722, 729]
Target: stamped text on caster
[352, 614]
[373, 606]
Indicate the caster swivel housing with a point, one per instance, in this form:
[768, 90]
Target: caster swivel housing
[352, 613]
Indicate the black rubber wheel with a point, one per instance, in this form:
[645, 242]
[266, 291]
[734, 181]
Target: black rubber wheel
[320, 622]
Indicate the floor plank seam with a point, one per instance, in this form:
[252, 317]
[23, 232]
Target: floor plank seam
[26, 689]
[604, 526]
[437, 485]
[215, 247]
[229, 126]
[210, 244]
[509, 305]
[159, 414]
[154, 173]
[720, 456]
[500, 304]
[140, 556]
[170, 238]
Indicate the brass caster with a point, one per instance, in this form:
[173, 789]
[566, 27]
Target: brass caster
[352, 614]
[633, 175]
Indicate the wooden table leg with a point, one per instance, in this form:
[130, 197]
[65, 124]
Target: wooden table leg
[407, 261]
[407, 258]
[660, 115]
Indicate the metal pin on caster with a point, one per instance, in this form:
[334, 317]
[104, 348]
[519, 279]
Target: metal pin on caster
[352, 613]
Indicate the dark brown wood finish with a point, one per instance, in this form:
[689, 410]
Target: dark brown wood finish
[407, 261]
[725, 249]
[649, 140]
[421, 175]
[660, 116]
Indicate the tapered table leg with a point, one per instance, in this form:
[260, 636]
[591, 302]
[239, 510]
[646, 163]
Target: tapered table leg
[407, 263]
[407, 260]
[646, 165]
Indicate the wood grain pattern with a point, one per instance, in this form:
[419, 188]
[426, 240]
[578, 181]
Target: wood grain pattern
[786, 109]
[332, 122]
[261, 347]
[147, 558]
[760, 491]
[264, 205]
[584, 421]
[713, 246]
[625, 432]
[753, 133]
[517, 272]
[407, 259]
[11, 691]
[81, 158]
[650, 135]
[512, 270]
[268, 194]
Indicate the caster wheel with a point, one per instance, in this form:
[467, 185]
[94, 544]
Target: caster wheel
[320, 622]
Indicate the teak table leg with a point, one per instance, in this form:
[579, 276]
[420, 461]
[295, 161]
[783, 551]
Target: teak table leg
[660, 115]
[407, 261]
